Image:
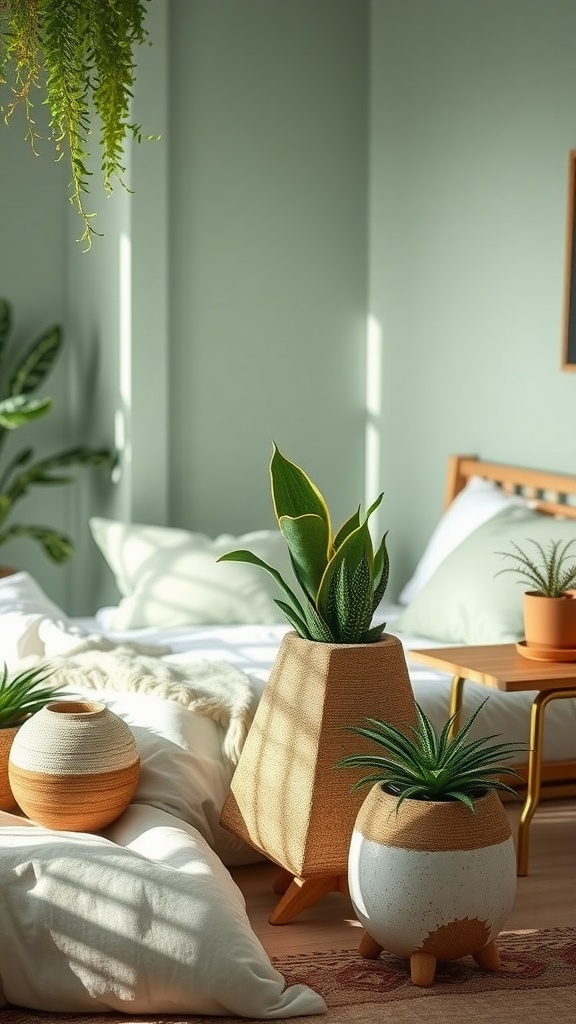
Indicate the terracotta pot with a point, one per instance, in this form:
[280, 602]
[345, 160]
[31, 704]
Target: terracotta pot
[550, 622]
[287, 799]
[7, 801]
[431, 880]
[74, 765]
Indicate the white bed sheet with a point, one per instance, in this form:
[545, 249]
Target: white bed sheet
[252, 649]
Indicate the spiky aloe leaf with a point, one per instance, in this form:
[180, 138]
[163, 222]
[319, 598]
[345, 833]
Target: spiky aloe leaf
[308, 542]
[293, 493]
[23, 694]
[545, 573]
[418, 763]
[17, 410]
[381, 573]
[350, 602]
[37, 363]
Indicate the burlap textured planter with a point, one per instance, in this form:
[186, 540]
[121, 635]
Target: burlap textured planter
[432, 881]
[287, 798]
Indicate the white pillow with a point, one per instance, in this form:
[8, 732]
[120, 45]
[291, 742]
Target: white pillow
[476, 503]
[23, 607]
[147, 920]
[182, 770]
[171, 577]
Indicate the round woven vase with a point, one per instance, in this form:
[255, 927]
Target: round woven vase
[74, 765]
[432, 877]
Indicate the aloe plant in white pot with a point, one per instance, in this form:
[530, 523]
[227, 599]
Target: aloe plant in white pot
[549, 605]
[432, 870]
[285, 799]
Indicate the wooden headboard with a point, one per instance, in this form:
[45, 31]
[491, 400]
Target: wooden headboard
[554, 493]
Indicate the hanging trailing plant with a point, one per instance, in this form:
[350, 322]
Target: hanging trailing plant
[80, 55]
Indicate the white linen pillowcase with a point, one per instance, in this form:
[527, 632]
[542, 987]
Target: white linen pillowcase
[476, 503]
[143, 920]
[23, 607]
[171, 577]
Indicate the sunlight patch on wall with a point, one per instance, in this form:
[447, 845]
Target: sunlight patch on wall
[122, 417]
[372, 443]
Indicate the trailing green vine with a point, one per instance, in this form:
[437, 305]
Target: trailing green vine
[80, 54]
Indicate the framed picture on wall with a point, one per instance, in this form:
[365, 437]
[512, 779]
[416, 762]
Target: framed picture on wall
[569, 332]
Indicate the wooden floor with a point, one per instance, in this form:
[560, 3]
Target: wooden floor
[546, 898]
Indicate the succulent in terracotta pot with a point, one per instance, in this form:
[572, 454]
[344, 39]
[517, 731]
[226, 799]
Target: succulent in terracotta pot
[549, 605]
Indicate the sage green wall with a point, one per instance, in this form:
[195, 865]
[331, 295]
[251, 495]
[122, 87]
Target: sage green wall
[32, 277]
[268, 251]
[472, 119]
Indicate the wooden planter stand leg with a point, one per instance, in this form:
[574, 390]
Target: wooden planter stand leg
[488, 958]
[422, 969]
[301, 893]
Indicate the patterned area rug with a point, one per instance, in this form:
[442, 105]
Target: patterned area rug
[537, 983]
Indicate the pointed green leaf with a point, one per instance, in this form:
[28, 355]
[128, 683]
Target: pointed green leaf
[351, 524]
[37, 363]
[293, 493]
[16, 411]
[308, 541]
[252, 559]
[57, 546]
[358, 545]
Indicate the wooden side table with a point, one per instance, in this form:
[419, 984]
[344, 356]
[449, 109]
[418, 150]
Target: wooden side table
[501, 667]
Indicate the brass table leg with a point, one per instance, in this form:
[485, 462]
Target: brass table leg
[456, 698]
[534, 771]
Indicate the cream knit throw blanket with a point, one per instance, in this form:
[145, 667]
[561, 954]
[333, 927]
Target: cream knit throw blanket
[213, 688]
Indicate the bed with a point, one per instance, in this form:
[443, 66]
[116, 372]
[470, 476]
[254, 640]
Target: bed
[189, 688]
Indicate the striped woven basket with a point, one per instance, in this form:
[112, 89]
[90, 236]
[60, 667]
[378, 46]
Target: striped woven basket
[7, 801]
[74, 765]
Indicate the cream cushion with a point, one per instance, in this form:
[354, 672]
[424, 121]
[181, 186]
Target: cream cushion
[23, 607]
[171, 577]
[144, 920]
[478, 501]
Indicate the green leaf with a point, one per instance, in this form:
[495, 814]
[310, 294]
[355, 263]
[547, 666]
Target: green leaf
[308, 541]
[381, 572]
[57, 546]
[293, 493]
[31, 371]
[356, 546]
[348, 527]
[252, 559]
[17, 410]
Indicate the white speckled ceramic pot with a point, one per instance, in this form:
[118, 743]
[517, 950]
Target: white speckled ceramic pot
[431, 881]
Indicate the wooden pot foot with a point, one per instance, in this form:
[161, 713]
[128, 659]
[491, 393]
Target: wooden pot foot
[301, 893]
[422, 969]
[369, 948]
[488, 958]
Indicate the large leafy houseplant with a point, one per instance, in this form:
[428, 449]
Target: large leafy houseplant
[79, 55]
[19, 406]
[342, 576]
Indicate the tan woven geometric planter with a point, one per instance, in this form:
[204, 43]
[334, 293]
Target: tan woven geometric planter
[287, 799]
[74, 765]
[432, 881]
[7, 801]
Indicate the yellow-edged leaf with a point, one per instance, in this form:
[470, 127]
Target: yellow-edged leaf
[293, 493]
[308, 543]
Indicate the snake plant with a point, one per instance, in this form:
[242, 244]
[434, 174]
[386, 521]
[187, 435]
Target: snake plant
[546, 573]
[420, 764]
[342, 577]
[23, 694]
[19, 406]
[78, 54]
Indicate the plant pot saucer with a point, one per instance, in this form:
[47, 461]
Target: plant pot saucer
[546, 653]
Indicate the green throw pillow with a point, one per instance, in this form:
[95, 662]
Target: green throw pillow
[465, 602]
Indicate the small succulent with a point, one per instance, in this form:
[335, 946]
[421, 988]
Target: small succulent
[22, 695]
[431, 766]
[547, 573]
[342, 577]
